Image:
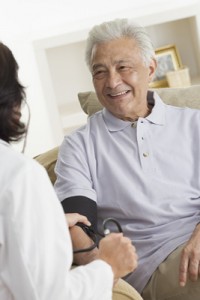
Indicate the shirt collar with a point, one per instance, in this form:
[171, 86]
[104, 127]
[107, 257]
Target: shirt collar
[157, 115]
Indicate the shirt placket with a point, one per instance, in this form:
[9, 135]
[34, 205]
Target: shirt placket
[144, 146]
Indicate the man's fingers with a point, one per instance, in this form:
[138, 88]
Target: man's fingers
[189, 265]
[193, 269]
[183, 270]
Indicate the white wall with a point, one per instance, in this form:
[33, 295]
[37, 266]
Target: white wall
[47, 38]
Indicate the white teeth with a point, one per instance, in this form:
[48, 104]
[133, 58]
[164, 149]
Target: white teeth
[118, 94]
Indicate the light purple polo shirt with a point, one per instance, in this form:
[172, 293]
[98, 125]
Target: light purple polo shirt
[146, 176]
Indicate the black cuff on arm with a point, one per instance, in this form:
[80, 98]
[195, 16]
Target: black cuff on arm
[82, 205]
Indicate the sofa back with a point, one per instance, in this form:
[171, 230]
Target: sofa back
[189, 96]
[48, 160]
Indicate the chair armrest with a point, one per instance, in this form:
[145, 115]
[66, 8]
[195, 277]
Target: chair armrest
[124, 291]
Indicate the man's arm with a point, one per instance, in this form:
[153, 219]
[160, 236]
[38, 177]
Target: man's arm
[84, 242]
[80, 240]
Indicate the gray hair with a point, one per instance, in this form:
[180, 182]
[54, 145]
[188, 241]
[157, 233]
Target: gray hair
[116, 29]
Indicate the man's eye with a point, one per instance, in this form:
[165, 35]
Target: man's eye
[99, 74]
[124, 68]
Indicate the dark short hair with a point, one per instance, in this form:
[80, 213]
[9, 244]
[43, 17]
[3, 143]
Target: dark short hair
[12, 95]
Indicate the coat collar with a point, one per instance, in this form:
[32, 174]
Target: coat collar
[4, 143]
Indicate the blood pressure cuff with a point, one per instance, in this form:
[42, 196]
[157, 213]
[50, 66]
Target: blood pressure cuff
[82, 205]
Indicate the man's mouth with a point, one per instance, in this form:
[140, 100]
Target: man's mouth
[118, 94]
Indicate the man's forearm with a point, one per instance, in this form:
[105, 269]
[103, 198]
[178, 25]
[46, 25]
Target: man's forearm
[80, 240]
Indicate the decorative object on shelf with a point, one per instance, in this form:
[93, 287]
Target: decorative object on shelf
[179, 78]
[168, 59]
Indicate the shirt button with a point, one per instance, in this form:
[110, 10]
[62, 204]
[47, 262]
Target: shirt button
[145, 154]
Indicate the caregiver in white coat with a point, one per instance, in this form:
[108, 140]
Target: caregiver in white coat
[35, 245]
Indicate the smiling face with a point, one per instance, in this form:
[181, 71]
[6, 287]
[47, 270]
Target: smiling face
[121, 78]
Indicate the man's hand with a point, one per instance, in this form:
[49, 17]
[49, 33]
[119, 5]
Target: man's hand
[190, 258]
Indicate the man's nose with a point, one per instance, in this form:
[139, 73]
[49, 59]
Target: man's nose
[113, 79]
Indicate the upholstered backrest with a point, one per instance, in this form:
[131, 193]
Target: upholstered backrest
[189, 96]
[48, 160]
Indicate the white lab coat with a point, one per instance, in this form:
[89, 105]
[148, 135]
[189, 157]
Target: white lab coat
[35, 246]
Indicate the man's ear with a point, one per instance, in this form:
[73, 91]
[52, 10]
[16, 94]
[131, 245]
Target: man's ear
[152, 68]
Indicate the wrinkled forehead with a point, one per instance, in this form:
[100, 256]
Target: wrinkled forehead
[113, 51]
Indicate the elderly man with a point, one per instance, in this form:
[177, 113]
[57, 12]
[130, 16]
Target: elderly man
[137, 160]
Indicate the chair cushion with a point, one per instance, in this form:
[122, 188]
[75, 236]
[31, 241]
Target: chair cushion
[188, 96]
